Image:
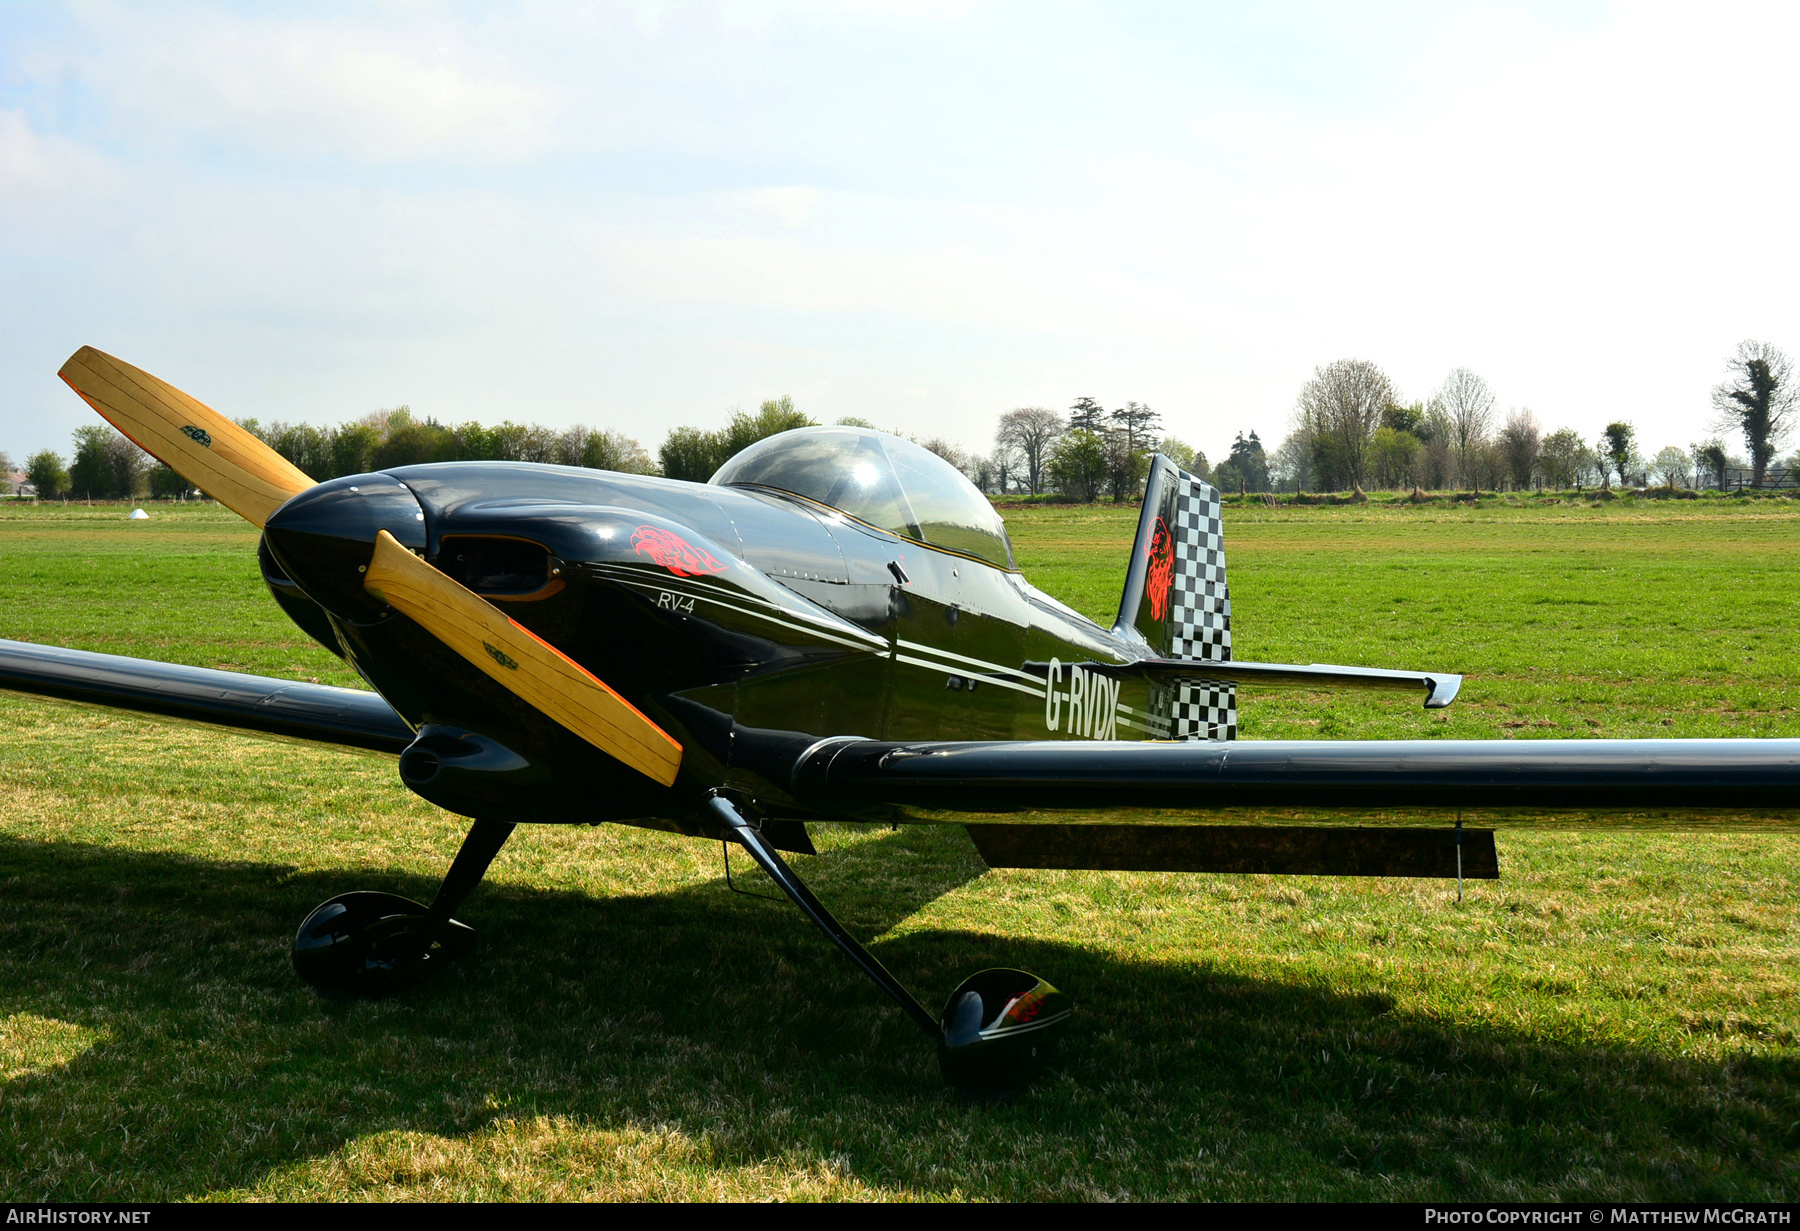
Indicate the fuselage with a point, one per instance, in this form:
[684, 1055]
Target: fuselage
[746, 622]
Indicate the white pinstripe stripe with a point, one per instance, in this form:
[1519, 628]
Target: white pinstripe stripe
[949, 670]
[987, 667]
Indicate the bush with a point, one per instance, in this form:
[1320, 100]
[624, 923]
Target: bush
[1019, 501]
[48, 475]
[165, 484]
[694, 454]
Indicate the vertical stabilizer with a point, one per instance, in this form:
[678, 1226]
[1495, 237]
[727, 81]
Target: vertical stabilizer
[1176, 602]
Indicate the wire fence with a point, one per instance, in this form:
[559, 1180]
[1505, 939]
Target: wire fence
[1743, 478]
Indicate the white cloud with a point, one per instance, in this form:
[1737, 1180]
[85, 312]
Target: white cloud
[375, 93]
[41, 174]
[555, 214]
[792, 206]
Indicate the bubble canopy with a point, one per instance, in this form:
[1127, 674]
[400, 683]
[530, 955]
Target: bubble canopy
[880, 479]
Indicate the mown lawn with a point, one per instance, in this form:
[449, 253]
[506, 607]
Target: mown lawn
[1616, 1018]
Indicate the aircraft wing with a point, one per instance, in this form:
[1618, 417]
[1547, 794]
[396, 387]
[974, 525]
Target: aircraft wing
[315, 712]
[1109, 806]
[999, 777]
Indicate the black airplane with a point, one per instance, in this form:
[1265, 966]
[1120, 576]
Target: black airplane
[833, 628]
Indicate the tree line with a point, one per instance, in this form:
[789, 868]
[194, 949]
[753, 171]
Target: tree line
[1092, 452]
[1350, 430]
[107, 466]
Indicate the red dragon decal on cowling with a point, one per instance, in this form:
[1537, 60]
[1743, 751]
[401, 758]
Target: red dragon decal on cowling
[1161, 554]
[674, 553]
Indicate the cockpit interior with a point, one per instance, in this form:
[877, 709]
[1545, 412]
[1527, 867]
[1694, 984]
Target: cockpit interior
[883, 480]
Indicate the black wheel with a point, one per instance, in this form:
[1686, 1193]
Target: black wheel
[999, 1031]
[368, 943]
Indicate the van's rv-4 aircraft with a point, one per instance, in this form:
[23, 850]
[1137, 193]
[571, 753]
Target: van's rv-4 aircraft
[833, 628]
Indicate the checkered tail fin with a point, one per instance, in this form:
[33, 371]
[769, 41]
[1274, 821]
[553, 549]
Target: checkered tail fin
[1176, 602]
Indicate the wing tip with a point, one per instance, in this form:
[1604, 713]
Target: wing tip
[1443, 690]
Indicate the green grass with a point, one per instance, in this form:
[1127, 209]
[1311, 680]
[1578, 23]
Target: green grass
[1616, 1018]
[1621, 620]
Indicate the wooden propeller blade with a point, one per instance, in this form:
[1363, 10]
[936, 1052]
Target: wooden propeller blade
[529, 667]
[192, 439]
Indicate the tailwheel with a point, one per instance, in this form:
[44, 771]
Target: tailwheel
[368, 943]
[998, 1032]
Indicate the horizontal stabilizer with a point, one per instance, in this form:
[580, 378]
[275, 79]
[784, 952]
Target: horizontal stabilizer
[1440, 687]
[1288, 850]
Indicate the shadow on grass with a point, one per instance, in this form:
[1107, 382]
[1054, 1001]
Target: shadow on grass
[729, 1020]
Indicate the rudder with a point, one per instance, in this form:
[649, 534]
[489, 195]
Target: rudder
[1176, 601]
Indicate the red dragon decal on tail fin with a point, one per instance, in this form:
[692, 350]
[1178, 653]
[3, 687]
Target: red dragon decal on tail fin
[674, 553]
[1161, 554]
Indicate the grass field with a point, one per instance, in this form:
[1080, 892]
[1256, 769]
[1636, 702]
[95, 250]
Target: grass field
[1616, 1018]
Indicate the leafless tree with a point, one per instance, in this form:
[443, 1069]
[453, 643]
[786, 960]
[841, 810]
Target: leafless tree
[1491, 465]
[956, 455]
[1673, 464]
[1341, 408]
[1757, 398]
[1468, 407]
[570, 444]
[538, 444]
[1290, 466]
[1003, 462]
[1520, 444]
[1125, 466]
[1030, 430]
[601, 449]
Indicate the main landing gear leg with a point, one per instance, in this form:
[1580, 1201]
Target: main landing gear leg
[484, 841]
[998, 1030]
[741, 832]
[368, 943]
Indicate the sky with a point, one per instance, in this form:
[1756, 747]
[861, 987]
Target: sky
[923, 214]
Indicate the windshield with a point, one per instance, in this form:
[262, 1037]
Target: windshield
[877, 478]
